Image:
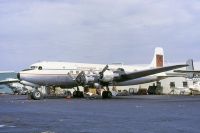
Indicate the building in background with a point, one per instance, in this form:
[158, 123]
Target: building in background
[170, 85]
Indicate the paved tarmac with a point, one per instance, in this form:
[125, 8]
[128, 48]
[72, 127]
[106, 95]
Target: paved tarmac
[132, 114]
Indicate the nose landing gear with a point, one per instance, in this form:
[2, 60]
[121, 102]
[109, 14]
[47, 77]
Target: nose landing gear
[36, 95]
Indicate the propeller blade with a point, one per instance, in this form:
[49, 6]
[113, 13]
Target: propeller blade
[104, 69]
[80, 79]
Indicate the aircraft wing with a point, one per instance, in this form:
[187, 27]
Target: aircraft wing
[7, 81]
[147, 72]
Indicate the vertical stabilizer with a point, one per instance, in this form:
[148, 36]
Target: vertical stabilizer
[190, 67]
[158, 58]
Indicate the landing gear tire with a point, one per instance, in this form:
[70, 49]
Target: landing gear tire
[68, 93]
[36, 95]
[106, 95]
[78, 94]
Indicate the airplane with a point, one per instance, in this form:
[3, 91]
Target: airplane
[191, 89]
[70, 75]
[191, 74]
[195, 87]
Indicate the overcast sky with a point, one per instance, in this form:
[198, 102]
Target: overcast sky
[97, 31]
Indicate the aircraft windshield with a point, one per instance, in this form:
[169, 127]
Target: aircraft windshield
[34, 67]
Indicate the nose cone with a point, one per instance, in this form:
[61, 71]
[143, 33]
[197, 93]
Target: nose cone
[18, 76]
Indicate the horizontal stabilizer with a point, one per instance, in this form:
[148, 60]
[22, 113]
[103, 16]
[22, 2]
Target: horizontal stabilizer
[190, 72]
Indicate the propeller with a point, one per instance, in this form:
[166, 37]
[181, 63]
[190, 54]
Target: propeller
[80, 79]
[102, 72]
[83, 80]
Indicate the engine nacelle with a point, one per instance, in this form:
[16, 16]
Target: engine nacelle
[108, 76]
[96, 80]
[90, 80]
[28, 83]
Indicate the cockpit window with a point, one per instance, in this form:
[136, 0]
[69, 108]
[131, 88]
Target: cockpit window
[33, 67]
[36, 67]
[39, 68]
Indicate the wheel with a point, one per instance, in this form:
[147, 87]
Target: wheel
[109, 94]
[68, 93]
[36, 95]
[78, 94]
[106, 94]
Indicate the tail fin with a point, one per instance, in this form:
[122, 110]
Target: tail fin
[158, 58]
[190, 72]
[190, 64]
[190, 67]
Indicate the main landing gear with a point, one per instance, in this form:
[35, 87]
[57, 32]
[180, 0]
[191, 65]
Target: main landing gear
[78, 94]
[107, 94]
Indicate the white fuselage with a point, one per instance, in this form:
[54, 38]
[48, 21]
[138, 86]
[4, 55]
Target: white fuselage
[63, 74]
